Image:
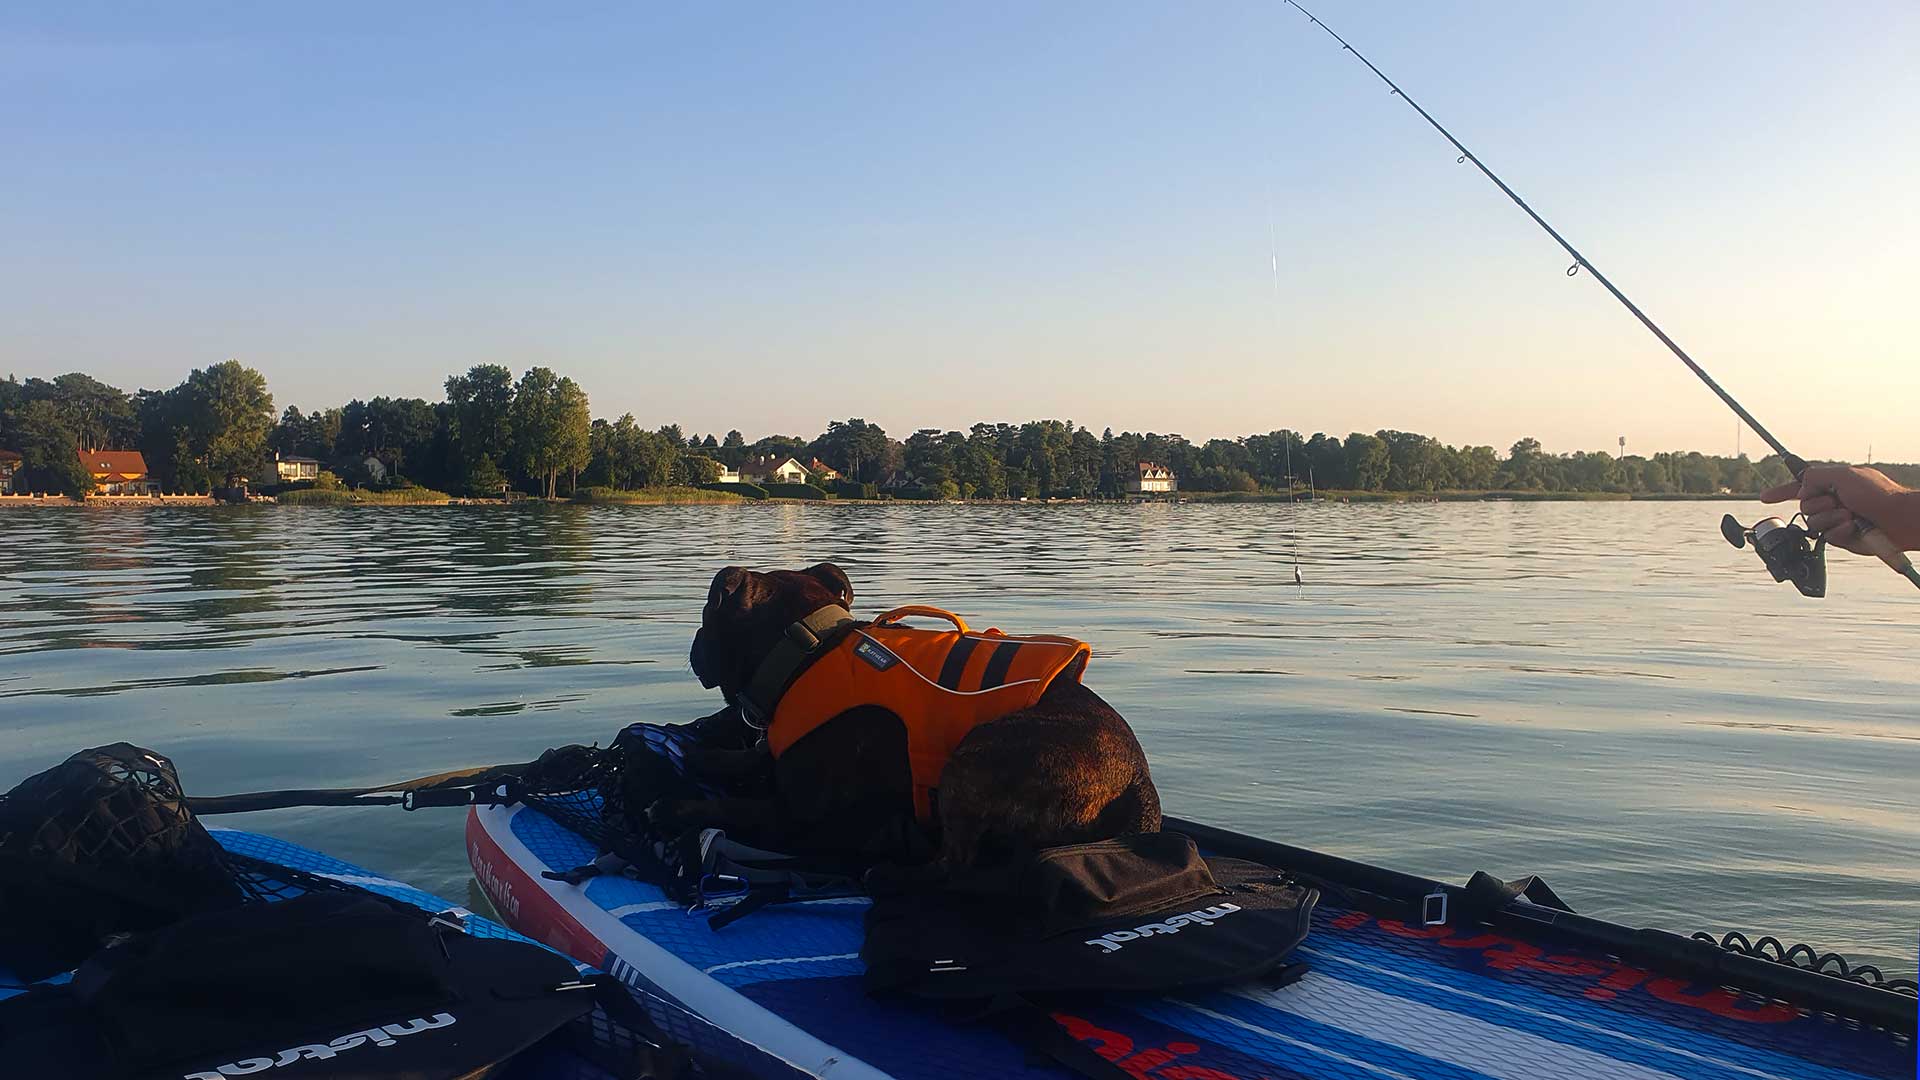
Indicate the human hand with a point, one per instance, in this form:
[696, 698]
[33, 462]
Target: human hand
[1831, 495]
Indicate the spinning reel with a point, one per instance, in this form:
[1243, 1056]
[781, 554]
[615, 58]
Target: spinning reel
[1788, 550]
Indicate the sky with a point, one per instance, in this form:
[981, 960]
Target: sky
[763, 216]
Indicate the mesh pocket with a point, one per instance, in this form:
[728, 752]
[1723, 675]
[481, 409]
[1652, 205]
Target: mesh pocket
[100, 845]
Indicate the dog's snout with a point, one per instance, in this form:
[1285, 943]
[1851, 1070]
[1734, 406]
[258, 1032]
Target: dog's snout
[697, 659]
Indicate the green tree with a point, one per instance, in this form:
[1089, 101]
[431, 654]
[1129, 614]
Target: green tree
[483, 477]
[576, 419]
[551, 426]
[1699, 474]
[977, 467]
[1740, 475]
[929, 458]
[1477, 468]
[1658, 474]
[855, 447]
[101, 417]
[220, 418]
[480, 413]
[1415, 462]
[1327, 462]
[49, 452]
[1369, 461]
[699, 468]
[1524, 469]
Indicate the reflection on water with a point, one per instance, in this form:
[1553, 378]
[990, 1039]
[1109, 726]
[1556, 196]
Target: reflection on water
[1601, 693]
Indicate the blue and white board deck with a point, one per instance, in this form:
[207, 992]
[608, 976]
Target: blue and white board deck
[1383, 1001]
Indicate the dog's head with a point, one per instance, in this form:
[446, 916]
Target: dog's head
[748, 612]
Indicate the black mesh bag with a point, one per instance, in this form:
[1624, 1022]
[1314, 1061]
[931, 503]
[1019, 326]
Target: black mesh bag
[98, 846]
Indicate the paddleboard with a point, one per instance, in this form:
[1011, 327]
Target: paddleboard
[1383, 1001]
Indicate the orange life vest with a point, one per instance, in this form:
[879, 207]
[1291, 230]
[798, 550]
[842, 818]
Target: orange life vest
[939, 682]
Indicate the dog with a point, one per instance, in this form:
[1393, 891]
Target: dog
[1067, 769]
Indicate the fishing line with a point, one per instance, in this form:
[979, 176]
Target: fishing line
[1293, 511]
[1869, 535]
[1273, 262]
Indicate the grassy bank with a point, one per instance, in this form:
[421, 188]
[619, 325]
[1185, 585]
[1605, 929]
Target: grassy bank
[411, 496]
[1416, 496]
[660, 496]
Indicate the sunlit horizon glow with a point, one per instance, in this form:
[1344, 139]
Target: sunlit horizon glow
[929, 218]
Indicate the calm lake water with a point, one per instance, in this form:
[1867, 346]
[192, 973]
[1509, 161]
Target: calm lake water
[1604, 694]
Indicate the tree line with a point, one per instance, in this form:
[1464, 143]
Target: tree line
[493, 432]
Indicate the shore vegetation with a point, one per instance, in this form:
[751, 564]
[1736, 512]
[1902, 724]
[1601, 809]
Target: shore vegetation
[497, 435]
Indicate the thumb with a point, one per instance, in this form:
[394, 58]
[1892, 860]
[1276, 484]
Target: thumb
[1781, 492]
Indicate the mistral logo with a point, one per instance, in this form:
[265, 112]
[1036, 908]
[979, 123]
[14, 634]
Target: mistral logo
[1113, 942]
[385, 1035]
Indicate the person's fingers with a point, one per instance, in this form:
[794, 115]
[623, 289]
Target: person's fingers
[1829, 520]
[1815, 504]
[1846, 535]
[1781, 492]
[1824, 477]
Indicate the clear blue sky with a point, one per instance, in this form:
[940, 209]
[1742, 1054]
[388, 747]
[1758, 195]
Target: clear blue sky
[767, 215]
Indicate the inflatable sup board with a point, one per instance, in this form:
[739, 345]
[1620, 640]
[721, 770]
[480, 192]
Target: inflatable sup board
[1383, 1000]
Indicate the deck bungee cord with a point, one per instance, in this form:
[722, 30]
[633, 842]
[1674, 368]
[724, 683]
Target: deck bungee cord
[1789, 551]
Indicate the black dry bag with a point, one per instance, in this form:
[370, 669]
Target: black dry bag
[1139, 913]
[98, 846]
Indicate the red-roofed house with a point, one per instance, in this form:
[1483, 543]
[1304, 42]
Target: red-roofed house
[118, 472]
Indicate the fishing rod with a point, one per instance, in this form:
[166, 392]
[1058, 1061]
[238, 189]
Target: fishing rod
[1790, 552]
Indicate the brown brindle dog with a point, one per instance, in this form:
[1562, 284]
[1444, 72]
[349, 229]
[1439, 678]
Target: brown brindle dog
[1065, 770]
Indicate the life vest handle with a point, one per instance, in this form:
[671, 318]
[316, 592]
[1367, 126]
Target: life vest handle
[923, 610]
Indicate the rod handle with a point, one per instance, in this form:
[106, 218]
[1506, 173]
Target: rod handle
[1876, 540]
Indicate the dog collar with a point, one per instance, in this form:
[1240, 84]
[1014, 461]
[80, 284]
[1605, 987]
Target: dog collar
[790, 656]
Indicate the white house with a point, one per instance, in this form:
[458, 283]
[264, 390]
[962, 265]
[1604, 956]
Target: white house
[295, 469]
[727, 475]
[1151, 479]
[773, 468]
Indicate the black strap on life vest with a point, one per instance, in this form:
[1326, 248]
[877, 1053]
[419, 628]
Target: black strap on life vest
[799, 646]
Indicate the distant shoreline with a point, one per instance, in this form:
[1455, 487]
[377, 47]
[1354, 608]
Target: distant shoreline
[680, 497]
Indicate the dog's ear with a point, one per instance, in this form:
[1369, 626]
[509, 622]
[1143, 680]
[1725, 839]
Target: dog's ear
[725, 590]
[835, 579]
